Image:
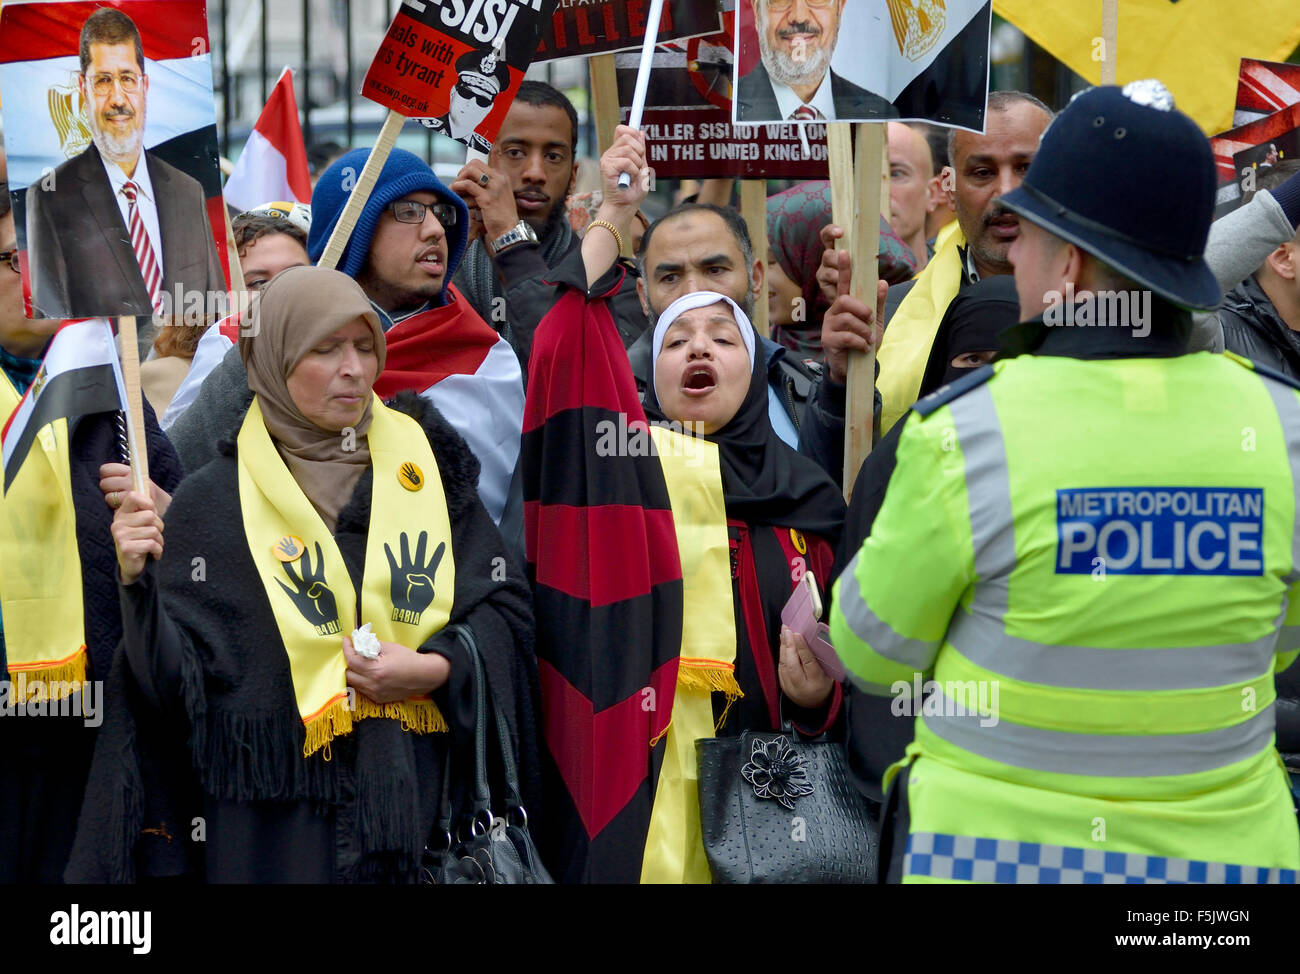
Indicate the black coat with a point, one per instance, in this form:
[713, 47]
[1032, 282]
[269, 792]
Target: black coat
[46, 759]
[238, 802]
[1253, 328]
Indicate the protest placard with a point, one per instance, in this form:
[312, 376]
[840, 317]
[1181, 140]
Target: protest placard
[583, 28]
[113, 159]
[687, 118]
[456, 66]
[1239, 151]
[1264, 87]
[907, 59]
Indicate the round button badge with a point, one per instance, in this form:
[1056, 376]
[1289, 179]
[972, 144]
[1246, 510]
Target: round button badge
[410, 476]
[289, 548]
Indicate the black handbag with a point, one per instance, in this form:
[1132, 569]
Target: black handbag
[775, 808]
[482, 848]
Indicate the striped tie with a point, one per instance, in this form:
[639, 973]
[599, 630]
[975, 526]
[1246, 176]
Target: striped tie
[144, 254]
[805, 113]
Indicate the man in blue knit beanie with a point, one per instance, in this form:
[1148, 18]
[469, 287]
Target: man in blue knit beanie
[403, 250]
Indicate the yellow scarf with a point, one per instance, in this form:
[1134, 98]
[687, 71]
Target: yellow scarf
[40, 568]
[905, 348]
[674, 849]
[407, 584]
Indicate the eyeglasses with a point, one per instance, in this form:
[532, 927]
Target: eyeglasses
[780, 6]
[10, 257]
[412, 211]
[128, 81]
[473, 94]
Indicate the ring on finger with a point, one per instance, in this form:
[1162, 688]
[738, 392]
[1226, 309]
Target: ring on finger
[483, 179]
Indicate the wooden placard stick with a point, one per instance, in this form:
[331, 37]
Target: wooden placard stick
[360, 194]
[855, 205]
[135, 439]
[605, 109]
[753, 207]
[1110, 41]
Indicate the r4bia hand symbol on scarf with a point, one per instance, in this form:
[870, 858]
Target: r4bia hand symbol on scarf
[411, 585]
[311, 595]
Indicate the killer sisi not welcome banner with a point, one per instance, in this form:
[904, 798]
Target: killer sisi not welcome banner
[457, 64]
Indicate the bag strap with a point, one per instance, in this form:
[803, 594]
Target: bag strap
[509, 766]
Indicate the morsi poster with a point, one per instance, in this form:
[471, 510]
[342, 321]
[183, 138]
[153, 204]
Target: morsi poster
[582, 28]
[111, 139]
[456, 64]
[687, 118]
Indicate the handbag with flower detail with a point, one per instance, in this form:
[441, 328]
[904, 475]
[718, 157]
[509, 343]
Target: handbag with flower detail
[775, 808]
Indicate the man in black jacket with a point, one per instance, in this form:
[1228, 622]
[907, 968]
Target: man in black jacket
[518, 229]
[1261, 315]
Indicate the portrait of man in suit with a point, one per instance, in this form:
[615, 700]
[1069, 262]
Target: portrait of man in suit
[116, 230]
[794, 81]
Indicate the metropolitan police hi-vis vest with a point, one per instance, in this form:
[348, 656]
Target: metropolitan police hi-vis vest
[1091, 569]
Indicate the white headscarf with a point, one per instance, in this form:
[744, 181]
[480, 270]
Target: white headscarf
[689, 302]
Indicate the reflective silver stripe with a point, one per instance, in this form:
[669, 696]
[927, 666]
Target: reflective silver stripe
[1106, 755]
[875, 689]
[1288, 412]
[878, 634]
[988, 488]
[984, 642]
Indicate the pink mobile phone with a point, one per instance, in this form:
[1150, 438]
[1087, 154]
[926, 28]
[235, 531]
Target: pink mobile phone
[801, 613]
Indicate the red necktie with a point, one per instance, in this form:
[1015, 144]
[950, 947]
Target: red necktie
[805, 113]
[144, 254]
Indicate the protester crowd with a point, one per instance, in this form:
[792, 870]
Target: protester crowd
[570, 488]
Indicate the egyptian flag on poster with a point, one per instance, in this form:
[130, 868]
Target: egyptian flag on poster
[607, 584]
[1264, 87]
[928, 58]
[80, 375]
[45, 118]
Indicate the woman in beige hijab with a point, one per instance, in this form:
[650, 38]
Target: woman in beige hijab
[307, 760]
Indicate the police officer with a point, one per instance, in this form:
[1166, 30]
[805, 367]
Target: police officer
[481, 76]
[1085, 570]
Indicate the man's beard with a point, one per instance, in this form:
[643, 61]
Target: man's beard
[115, 148]
[785, 69]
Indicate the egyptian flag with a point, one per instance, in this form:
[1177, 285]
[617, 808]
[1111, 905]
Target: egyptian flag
[1264, 87]
[273, 165]
[40, 565]
[45, 120]
[80, 375]
[452, 357]
[607, 584]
